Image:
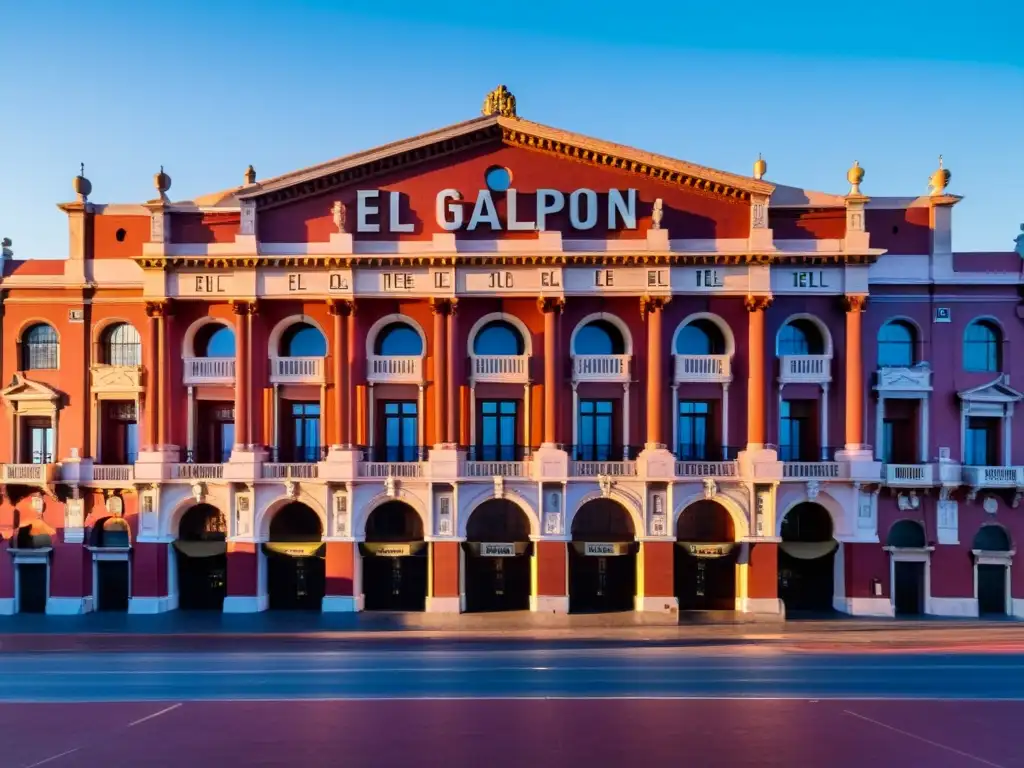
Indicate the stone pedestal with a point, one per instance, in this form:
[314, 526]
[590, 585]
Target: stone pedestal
[549, 462]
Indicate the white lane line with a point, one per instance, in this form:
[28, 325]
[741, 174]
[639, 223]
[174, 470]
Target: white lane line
[52, 758]
[968, 755]
[155, 714]
[526, 697]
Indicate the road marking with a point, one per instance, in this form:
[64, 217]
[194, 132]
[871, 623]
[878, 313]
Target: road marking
[531, 697]
[968, 755]
[51, 759]
[155, 714]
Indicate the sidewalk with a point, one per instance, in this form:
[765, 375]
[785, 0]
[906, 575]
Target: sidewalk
[216, 631]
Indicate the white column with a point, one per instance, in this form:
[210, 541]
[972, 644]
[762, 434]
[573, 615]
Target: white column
[879, 425]
[824, 422]
[725, 417]
[526, 419]
[472, 417]
[16, 448]
[1007, 432]
[97, 429]
[190, 440]
[963, 433]
[575, 416]
[421, 418]
[777, 437]
[56, 436]
[275, 427]
[675, 418]
[625, 419]
[923, 418]
[371, 421]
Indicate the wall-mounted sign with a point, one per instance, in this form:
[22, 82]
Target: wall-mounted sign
[76, 315]
[942, 315]
[495, 549]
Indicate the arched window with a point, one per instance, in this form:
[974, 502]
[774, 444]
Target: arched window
[498, 338]
[896, 345]
[39, 348]
[215, 340]
[303, 340]
[800, 337]
[992, 538]
[701, 337]
[122, 345]
[906, 534]
[398, 340]
[982, 347]
[599, 337]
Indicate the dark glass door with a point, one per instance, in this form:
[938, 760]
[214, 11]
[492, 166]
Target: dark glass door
[112, 585]
[202, 582]
[32, 587]
[394, 583]
[497, 583]
[909, 592]
[601, 584]
[807, 584]
[992, 590]
[295, 583]
[705, 583]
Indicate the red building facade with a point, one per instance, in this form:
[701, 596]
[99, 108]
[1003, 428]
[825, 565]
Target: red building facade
[502, 366]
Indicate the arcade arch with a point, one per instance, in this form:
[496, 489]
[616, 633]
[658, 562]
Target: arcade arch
[602, 558]
[497, 557]
[807, 559]
[295, 557]
[394, 558]
[993, 553]
[706, 558]
[201, 554]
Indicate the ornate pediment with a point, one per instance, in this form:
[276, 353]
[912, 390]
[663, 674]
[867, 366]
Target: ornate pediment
[917, 378]
[116, 378]
[997, 391]
[22, 390]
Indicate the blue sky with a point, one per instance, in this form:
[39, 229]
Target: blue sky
[207, 88]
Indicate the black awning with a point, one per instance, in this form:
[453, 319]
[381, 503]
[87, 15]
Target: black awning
[393, 548]
[201, 548]
[707, 549]
[295, 548]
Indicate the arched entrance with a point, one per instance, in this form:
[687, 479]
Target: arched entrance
[201, 551]
[602, 559]
[807, 560]
[110, 541]
[33, 544]
[497, 550]
[992, 555]
[394, 560]
[705, 560]
[907, 546]
[296, 568]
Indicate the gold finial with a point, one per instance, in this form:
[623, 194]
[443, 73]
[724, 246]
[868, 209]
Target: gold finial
[501, 102]
[855, 176]
[250, 175]
[82, 186]
[760, 167]
[939, 180]
[162, 182]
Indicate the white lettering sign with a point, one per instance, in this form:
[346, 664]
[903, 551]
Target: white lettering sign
[492, 549]
[600, 549]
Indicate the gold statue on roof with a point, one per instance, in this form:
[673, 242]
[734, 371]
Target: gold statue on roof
[501, 102]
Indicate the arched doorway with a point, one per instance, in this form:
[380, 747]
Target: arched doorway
[110, 542]
[394, 560]
[906, 543]
[497, 550]
[807, 560]
[33, 543]
[602, 559]
[705, 560]
[992, 555]
[201, 553]
[296, 568]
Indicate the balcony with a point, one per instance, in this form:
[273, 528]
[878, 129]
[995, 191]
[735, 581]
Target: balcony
[909, 475]
[702, 469]
[395, 370]
[386, 469]
[496, 469]
[599, 468]
[993, 477]
[296, 370]
[289, 471]
[694, 369]
[917, 378]
[504, 369]
[614, 368]
[113, 473]
[811, 470]
[805, 369]
[209, 370]
[29, 474]
[197, 471]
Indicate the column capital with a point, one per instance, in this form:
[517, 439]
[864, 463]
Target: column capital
[162, 308]
[757, 303]
[441, 306]
[547, 304]
[652, 304]
[242, 308]
[856, 303]
[342, 307]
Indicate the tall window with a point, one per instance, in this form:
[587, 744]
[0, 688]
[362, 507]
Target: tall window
[218, 430]
[39, 348]
[982, 443]
[497, 430]
[120, 432]
[401, 430]
[39, 441]
[701, 337]
[695, 430]
[398, 340]
[896, 345]
[303, 340]
[981, 347]
[596, 431]
[122, 345]
[305, 432]
[898, 441]
[498, 338]
[796, 440]
[800, 337]
[215, 340]
[599, 337]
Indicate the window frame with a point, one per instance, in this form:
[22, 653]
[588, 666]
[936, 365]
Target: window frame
[31, 352]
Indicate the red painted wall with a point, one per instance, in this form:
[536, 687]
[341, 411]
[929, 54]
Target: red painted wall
[444, 561]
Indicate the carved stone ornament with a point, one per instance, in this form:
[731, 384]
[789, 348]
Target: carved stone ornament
[500, 102]
[909, 501]
[198, 492]
[1017, 497]
[946, 493]
[813, 488]
[115, 506]
[990, 505]
[604, 482]
[710, 488]
[340, 214]
[499, 487]
[390, 487]
[657, 214]
[291, 489]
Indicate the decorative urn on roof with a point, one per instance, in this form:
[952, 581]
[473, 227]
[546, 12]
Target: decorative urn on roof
[501, 102]
[82, 186]
[760, 167]
[162, 182]
[855, 176]
[939, 180]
